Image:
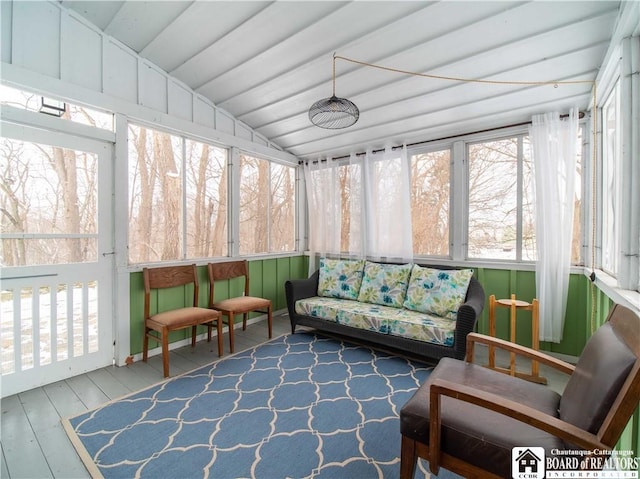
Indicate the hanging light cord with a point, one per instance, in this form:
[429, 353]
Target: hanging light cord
[594, 128]
[451, 78]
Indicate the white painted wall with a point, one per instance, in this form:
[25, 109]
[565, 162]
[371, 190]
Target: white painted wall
[52, 50]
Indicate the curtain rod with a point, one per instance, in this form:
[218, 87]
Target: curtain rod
[424, 142]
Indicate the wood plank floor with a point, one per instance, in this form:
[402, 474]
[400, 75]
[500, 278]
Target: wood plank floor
[34, 443]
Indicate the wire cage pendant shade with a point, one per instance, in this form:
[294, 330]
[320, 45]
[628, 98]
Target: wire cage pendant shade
[334, 113]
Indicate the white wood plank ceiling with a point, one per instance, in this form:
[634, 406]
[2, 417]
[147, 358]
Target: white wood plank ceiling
[267, 62]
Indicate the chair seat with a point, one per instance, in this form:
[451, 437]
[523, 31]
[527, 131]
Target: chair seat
[475, 434]
[242, 304]
[183, 317]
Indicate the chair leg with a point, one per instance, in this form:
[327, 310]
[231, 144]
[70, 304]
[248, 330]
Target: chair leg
[270, 322]
[408, 458]
[145, 344]
[244, 321]
[194, 333]
[231, 324]
[165, 352]
[220, 345]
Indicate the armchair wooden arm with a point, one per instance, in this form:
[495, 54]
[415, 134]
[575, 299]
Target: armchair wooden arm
[524, 351]
[566, 431]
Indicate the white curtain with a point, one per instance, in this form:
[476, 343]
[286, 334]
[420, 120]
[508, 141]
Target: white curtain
[554, 143]
[388, 205]
[360, 207]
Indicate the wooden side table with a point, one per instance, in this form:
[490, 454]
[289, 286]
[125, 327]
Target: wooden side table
[514, 306]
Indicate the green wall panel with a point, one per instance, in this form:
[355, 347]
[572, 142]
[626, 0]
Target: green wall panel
[267, 278]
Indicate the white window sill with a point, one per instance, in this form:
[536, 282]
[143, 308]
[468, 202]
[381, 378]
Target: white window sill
[609, 286]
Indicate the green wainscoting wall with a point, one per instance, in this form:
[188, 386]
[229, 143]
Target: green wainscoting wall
[267, 278]
[502, 283]
[269, 275]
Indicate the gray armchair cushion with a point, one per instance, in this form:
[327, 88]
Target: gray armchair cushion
[472, 433]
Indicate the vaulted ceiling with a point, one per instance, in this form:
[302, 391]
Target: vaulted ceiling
[267, 62]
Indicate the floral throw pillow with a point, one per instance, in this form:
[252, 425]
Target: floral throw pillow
[385, 284]
[439, 292]
[340, 278]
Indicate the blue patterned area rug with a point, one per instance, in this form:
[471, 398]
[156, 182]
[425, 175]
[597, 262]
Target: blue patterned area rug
[300, 406]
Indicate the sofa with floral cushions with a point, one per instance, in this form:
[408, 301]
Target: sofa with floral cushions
[423, 310]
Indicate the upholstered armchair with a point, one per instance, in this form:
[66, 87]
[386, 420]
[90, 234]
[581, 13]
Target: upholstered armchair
[467, 418]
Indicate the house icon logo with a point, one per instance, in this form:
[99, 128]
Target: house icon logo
[527, 463]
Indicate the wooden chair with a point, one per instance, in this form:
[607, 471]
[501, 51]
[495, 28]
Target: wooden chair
[158, 326]
[240, 304]
[467, 418]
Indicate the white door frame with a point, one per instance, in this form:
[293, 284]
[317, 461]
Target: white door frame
[51, 277]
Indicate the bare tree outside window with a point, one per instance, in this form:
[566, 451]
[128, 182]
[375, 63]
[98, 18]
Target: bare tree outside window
[47, 195]
[155, 196]
[267, 206]
[501, 211]
[206, 170]
[283, 208]
[430, 202]
[161, 212]
[493, 199]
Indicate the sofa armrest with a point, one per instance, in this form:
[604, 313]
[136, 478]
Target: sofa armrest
[296, 289]
[468, 315]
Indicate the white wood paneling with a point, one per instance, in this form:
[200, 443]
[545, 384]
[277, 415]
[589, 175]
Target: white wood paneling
[5, 31]
[243, 131]
[264, 63]
[225, 122]
[203, 112]
[47, 39]
[81, 54]
[133, 25]
[36, 37]
[206, 22]
[153, 87]
[120, 72]
[180, 100]
[98, 13]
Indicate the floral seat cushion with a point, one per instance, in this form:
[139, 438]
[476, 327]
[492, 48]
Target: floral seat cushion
[381, 319]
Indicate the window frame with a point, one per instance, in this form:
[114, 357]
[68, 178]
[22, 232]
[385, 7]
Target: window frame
[434, 148]
[234, 220]
[183, 227]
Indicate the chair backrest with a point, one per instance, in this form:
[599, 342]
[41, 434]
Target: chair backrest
[604, 389]
[228, 270]
[169, 277]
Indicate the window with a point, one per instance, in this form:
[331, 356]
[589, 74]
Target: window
[206, 195]
[48, 200]
[75, 113]
[611, 164]
[501, 206]
[267, 206]
[177, 197]
[430, 202]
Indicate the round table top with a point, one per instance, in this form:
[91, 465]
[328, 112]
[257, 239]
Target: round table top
[507, 302]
